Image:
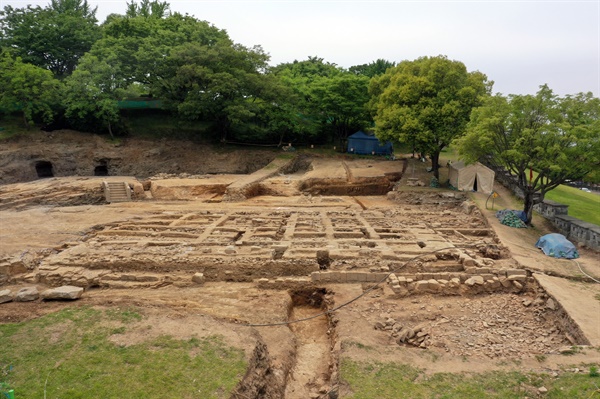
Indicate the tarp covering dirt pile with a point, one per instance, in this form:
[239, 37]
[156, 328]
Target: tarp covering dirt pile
[558, 246]
[512, 218]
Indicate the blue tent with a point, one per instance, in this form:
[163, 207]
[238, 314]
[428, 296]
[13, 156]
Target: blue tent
[367, 144]
[558, 246]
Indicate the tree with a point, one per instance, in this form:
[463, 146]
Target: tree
[331, 99]
[93, 91]
[555, 139]
[220, 83]
[426, 103]
[148, 9]
[375, 68]
[54, 37]
[28, 87]
[341, 101]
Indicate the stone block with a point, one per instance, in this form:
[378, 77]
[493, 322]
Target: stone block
[66, 292]
[475, 280]
[506, 283]
[198, 278]
[6, 296]
[26, 294]
[315, 276]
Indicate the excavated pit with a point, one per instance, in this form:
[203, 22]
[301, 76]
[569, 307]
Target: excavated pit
[314, 363]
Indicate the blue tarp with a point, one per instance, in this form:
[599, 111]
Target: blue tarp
[365, 144]
[558, 246]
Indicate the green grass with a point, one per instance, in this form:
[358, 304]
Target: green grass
[582, 205]
[72, 351]
[393, 380]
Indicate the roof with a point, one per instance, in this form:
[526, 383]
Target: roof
[458, 165]
[360, 135]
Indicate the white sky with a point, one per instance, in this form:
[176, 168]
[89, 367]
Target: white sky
[517, 44]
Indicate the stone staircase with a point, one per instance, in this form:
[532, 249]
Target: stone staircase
[116, 191]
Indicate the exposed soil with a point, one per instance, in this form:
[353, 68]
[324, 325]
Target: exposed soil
[259, 260]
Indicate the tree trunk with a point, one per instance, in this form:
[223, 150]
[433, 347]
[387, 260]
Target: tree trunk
[528, 207]
[110, 132]
[25, 121]
[435, 164]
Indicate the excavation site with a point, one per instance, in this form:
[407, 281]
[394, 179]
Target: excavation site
[304, 263]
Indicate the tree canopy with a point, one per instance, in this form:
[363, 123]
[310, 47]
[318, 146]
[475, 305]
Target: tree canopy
[556, 138]
[426, 103]
[54, 37]
[29, 88]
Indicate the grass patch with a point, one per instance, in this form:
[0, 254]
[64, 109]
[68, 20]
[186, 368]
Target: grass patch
[393, 380]
[72, 350]
[582, 205]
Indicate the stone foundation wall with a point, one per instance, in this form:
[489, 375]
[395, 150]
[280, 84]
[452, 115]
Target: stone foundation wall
[474, 280]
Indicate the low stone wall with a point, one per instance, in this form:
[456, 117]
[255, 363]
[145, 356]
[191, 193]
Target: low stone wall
[550, 209]
[574, 229]
[578, 230]
[474, 280]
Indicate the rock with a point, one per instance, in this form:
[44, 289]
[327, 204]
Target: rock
[6, 296]
[474, 280]
[542, 390]
[230, 250]
[467, 207]
[198, 278]
[527, 302]
[65, 292]
[550, 304]
[379, 325]
[27, 294]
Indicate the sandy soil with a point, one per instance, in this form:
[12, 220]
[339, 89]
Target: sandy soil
[463, 333]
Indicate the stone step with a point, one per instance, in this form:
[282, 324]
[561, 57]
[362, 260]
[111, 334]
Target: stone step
[116, 191]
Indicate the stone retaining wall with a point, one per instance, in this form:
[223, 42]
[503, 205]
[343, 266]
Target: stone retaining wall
[574, 229]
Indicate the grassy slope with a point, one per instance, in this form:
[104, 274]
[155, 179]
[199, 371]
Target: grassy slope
[582, 205]
[72, 351]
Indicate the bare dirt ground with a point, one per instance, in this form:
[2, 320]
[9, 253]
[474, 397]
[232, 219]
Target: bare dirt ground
[263, 259]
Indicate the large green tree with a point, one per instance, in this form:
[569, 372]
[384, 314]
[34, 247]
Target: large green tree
[54, 37]
[29, 88]
[557, 138]
[92, 93]
[341, 101]
[331, 98]
[219, 83]
[426, 103]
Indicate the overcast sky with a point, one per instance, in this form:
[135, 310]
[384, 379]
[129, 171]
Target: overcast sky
[517, 44]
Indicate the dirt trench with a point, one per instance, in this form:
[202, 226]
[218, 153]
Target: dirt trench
[310, 367]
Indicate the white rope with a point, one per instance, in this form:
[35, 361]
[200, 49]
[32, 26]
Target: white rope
[578, 265]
